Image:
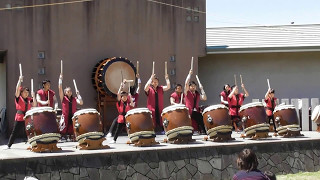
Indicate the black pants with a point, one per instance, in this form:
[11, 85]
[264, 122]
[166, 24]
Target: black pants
[118, 130]
[113, 126]
[274, 123]
[199, 120]
[17, 127]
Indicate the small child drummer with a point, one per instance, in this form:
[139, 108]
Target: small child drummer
[270, 105]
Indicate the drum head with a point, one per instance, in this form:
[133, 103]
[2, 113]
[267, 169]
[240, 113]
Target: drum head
[282, 107]
[249, 105]
[315, 113]
[213, 107]
[109, 74]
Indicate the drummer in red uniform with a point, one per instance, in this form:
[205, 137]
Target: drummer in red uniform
[175, 97]
[271, 104]
[135, 98]
[23, 104]
[192, 98]
[69, 107]
[224, 94]
[155, 99]
[235, 101]
[42, 96]
[123, 106]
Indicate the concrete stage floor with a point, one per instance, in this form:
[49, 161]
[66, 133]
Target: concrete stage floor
[18, 149]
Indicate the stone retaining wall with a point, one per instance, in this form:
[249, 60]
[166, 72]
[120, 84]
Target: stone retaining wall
[189, 163]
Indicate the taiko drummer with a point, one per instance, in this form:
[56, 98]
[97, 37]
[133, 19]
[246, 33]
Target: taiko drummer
[124, 104]
[235, 100]
[46, 96]
[69, 107]
[154, 94]
[224, 94]
[271, 102]
[23, 104]
[175, 97]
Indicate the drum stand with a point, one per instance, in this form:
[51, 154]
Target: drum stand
[91, 144]
[318, 127]
[257, 135]
[143, 142]
[292, 133]
[42, 147]
[220, 137]
[180, 139]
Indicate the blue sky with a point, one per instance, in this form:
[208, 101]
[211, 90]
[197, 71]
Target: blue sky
[231, 13]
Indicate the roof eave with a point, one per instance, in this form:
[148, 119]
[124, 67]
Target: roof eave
[213, 50]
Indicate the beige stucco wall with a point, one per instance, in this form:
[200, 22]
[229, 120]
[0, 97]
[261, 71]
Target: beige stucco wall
[82, 34]
[292, 75]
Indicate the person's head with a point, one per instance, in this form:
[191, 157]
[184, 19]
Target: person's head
[270, 175]
[24, 92]
[226, 87]
[124, 96]
[178, 88]
[155, 82]
[192, 86]
[247, 160]
[271, 94]
[46, 84]
[67, 92]
[236, 91]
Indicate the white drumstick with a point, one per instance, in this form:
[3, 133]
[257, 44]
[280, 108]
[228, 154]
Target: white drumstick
[241, 79]
[20, 68]
[128, 87]
[165, 68]
[192, 63]
[49, 97]
[268, 83]
[137, 67]
[75, 85]
[181, 100]
[129, 81]
[61, 67]
[235, 80]
[198, 81]
[31, 85]
[153, 67]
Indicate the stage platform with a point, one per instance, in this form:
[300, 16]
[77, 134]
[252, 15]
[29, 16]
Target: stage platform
[198, 160]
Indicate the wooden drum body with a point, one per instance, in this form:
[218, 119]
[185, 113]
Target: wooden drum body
[286, 120]
[315, 117]
[87, 125]
[177, 123]
[140, 127]
[217, 121]
[41, 126]
[254, 119]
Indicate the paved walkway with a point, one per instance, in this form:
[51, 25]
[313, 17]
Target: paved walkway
[18, 150]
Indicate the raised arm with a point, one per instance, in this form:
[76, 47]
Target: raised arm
[246, 94]
[132, 104]
[17, 94]
[232, 92]
[267, 94]
[60, 88]
[167, 86]
[79, 98]
[186, 84]
[120, 88]
[203, 94]
[146, 87]
[139, 84]
[34, 101]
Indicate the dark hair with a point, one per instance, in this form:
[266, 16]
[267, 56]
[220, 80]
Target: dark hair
[233, 86]
[123, 93]
[270, 175]
[23, 89]
[271, 91]
[156, 78]
[224, 87]
[247, 160]
[192, 82]
[45, 81]
[177, 86]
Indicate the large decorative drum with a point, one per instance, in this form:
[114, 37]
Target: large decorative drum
[254, 120]
[87, 129]
[109, 73]
[140, 127]
[315, 117]
[287, 121]
[217, 122]
[42, 129]
[177, 124]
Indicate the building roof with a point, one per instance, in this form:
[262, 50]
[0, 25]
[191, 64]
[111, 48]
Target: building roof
[286, 38]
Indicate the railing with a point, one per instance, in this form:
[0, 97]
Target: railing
[304, 110]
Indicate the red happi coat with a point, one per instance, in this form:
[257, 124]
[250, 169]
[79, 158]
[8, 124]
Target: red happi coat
[234, 104]
[44, 97]
[177, 97]
[270, 105]
[65, 112]
[225, 95]
[190, 100]
[120, 105]
[21, 106]
[151, 100]
[135, 99]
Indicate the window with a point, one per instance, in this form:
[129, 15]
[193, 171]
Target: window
[41, 54]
